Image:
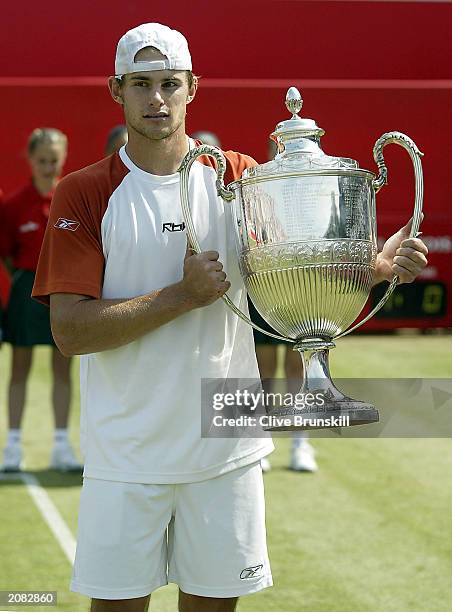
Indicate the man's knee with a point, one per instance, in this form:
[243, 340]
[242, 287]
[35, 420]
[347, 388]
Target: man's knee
[139, 604]
[196, 603]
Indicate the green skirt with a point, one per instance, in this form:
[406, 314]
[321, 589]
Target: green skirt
[26, 322]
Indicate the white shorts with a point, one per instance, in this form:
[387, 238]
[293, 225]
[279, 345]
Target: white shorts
[208, 537]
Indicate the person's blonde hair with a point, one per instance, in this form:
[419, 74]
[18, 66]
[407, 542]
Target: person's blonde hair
[41, 136]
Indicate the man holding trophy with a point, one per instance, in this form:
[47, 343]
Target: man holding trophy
[158, 502]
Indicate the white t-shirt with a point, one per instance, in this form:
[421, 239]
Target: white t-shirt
[141, 402]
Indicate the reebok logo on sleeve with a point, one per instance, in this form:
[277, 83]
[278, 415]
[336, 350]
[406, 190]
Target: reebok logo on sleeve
[67, 224]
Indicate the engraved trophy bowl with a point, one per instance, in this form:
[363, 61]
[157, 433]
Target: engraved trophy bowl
[306, 237]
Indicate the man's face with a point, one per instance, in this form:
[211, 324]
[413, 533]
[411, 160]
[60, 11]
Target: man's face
[154, 101]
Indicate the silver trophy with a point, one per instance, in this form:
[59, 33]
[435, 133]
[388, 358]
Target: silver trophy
[306, 236]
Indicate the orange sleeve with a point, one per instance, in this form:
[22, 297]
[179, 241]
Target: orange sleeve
[238, 162]
[71, 258]
[235, 164]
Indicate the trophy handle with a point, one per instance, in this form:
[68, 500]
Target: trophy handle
[382, 179]
[227, 194]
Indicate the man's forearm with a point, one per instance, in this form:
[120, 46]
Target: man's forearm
[91, 325]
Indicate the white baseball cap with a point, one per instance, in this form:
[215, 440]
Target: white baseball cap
[170, 43]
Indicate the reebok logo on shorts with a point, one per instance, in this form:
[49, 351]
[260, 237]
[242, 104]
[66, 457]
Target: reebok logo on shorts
[251, 572]
[67, 224]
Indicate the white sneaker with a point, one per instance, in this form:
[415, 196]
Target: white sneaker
[302, 458]
[63, 459]
[265, 465]
[12, 458]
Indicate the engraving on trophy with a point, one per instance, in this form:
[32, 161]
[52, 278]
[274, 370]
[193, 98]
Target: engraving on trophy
[310, 208]
[354, 199]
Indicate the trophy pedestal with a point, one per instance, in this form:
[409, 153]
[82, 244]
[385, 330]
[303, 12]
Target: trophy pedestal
[323, 405]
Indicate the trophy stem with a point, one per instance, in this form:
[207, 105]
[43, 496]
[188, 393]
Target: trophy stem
[316, 375]
[319, 404]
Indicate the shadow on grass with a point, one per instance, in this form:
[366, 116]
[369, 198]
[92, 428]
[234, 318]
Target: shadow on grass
[46, 478]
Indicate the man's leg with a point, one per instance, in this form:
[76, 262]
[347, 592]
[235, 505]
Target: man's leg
[217, 548]
[121, 554]
[140, 604]
[195, 603]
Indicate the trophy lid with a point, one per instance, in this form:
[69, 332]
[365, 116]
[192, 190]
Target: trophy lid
[298, 144]
[290, 134]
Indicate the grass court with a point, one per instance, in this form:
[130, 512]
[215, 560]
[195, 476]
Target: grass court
[370, 532]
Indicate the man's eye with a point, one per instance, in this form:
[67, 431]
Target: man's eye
[140, 83]
[170, 84]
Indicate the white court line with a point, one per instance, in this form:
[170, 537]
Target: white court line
[48, 511]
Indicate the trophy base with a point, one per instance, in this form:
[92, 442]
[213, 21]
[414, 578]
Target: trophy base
[343, 413]
[335, 410]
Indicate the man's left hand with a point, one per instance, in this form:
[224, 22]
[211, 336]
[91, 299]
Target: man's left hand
[401, 255]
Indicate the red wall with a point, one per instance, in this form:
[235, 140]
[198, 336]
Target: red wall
[353, 115]
[288, 40]
[363, 68]
[246, 39]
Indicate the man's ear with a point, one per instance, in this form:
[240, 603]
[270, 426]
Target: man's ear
[115, 90]
[192, 91]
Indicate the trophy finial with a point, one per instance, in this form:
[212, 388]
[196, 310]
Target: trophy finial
[294, 101]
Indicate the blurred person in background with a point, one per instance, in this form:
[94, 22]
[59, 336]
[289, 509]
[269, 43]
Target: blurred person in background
[4, 291]
[26, 323]
[4, 284]
[117, 137]
[208, 138]
[3, 277]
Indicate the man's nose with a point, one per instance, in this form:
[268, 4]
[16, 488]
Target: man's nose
[156, 98]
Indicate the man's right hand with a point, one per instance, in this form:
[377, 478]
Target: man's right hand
[83, 324]
[204, 280]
